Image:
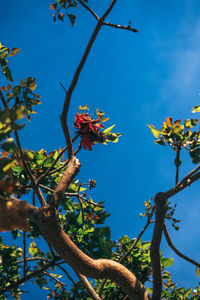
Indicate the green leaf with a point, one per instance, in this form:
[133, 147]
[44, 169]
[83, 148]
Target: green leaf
[79, 219]
[190, 123]
[167, 262]
[196, 109]
[146, 245]
[154, 131]
[108, 129]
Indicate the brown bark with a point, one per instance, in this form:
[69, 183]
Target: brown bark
[160, 211]
[46, 219]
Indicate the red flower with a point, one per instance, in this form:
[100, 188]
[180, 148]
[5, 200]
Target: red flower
[89, 130]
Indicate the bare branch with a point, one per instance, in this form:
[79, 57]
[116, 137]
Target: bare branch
[70, 172]
[129, 28]
[160, 212]
[171, 245]
[47, 221]
[89, 9]
[3, 100]
[88, 286]
[66, 273]
[54, 278]
[30, 259]
[73, 84]
[24, 253]
[177, 163]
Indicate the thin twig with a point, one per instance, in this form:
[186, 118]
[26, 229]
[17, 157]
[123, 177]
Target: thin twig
[89, 9]
[3, 100]
[54, 278]
[73, 84]
[66, 273]
[24, 253]
[63, 86]
[55, 162]
[73, 195]
[33, 198]
[177, 163]
[65, 163]
[91, 202]
[30, 259]
[139, 236]
[88, 286]
[129, 28]
[171, 245]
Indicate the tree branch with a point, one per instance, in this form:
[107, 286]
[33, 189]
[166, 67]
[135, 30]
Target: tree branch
[47, 221]
[89, 9]
[66, 273]
[70, 172]
[129, 28]
[171, 245]
[160, 210]
[73, 84]
[88, 286]
[54, 278]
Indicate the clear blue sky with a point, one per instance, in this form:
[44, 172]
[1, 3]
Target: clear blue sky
[137, 79]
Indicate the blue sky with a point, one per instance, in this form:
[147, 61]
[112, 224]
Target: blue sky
[137, 79]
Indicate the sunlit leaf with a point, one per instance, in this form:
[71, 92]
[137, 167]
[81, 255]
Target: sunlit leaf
[169, 122]
[196, 109]
[14, 51]
[177, 122]
[167, 262]
[83, 107]
[154, 131]
[105, 119]
[108, 129]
